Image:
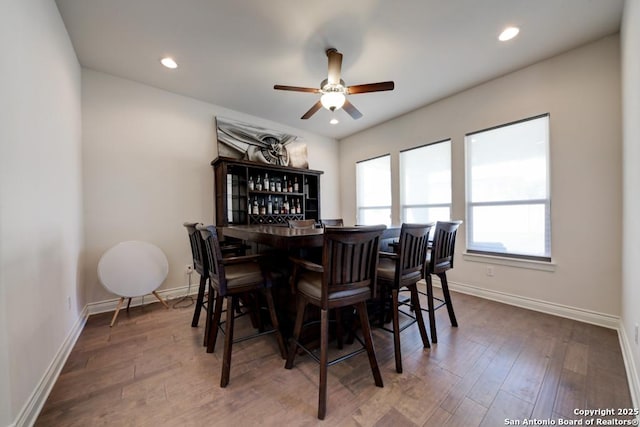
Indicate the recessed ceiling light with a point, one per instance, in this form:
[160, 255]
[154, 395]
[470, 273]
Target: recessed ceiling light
[334, 121]
[169, 62]
[508, 33]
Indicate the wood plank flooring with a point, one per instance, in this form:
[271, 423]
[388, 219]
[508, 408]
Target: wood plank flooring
[501, 363]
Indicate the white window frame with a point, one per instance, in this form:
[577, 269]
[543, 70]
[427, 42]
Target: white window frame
[546, 202]
[403, 205]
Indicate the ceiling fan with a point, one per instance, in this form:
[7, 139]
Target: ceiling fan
[333, 90]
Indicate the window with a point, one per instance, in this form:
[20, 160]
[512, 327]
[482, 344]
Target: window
[425, 183]
[373, 191]
[508, 204]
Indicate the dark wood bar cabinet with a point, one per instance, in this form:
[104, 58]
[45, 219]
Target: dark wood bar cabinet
[242, 199]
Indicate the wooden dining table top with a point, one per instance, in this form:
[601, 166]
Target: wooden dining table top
[276, 236]
[286, 238]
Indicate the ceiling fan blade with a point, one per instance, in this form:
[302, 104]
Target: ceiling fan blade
[335, 66]
[351, 110]
[371, 87]
[312, 110]
[296, 88]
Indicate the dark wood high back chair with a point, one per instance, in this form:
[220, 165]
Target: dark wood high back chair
[438, 262]
[302, 224]
[346, 277]
[201, 266]
[404, 269]
[336, 222]
[230, 278]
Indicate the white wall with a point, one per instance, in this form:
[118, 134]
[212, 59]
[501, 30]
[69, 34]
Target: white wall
[581, 91]
[146, 158]
[40, 196]
[630, 36]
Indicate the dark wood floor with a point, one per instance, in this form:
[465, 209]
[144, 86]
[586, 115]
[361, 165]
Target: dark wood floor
[502, 363]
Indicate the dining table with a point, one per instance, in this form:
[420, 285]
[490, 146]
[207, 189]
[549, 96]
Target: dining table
[281, 242]
[278, 237]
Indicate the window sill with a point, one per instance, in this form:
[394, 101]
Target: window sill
[510, 262]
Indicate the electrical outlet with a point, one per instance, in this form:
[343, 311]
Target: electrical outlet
[188, 269]
[490, 270]
[636, 338]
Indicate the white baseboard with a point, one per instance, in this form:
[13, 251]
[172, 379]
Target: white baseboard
[582, 315]
[31, 409]
[630, 367]
[168, 294]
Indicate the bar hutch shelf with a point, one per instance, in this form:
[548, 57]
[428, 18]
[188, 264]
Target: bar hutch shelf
[241, 196]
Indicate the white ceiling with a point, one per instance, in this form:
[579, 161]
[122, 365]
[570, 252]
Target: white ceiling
[232, 52]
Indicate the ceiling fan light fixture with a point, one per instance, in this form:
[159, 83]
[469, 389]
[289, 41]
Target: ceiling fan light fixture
[334, 91]
[334, 121]
[332, 100]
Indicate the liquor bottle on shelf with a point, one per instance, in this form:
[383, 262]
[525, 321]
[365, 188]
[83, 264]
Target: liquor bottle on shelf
[284, 184]
[289, 187]
[269, 206]
[266, 182]
[285, 206]
[296, 187]
[279, 186]
[276, 207]
[298, 210]
[255, 206]
[263, 208]
[272, 185]
[306, 186]
[258, 185]
[251, 183]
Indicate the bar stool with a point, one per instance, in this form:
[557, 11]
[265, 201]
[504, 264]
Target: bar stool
[439, 260]
[230, 278]
[403, 270]
[201, 266]
[347, 277]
